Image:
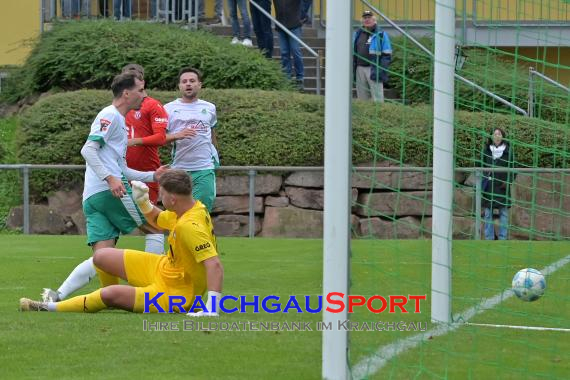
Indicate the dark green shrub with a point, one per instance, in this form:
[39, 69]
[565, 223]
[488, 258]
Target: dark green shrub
[88, 54]
[283, 128]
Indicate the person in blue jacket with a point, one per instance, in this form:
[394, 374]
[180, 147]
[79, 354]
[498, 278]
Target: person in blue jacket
[372, 54]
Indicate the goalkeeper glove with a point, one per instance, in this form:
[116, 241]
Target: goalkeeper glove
[140, 194]
[212, 306]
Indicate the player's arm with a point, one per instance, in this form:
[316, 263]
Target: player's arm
[183, 134]
[90, 153]
[159, 121]
[214, 138]
[214, 274]
[140, 195]
[214, 124]
[215, 278]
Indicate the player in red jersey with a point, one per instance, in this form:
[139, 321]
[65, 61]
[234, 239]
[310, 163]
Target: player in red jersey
[147, 132]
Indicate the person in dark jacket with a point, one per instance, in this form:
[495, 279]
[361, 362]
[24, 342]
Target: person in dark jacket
[496, 186]
[372, 55]
[262, 27]
[288, 13]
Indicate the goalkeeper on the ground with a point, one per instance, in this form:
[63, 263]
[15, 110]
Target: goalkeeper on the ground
[191, 266]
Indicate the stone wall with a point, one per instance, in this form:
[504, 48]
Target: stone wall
[393, 205]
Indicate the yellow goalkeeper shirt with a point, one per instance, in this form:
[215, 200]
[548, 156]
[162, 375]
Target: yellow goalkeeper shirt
[191, 241]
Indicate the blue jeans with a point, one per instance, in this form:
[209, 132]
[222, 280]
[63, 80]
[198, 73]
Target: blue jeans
[262, 27]
[218, 6]
[490, 226]
[290, 47]
[234, 4]
[305, 5]
[117, 9]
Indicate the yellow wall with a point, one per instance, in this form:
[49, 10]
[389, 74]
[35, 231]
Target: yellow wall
[19, 21]
[554, 57]
[486, 10]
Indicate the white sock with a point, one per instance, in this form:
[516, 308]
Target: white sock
[51, 306]
[154, 243]
[78, 278]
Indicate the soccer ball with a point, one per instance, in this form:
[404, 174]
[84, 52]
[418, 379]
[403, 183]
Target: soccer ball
[529, 284]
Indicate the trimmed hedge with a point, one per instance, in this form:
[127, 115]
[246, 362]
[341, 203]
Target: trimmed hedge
[88, 54]
[412, 76]
[284, 128]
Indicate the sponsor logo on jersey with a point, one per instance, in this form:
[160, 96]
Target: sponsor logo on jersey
[197, 125]
[200, 247]
[104, 124]
[160, 120]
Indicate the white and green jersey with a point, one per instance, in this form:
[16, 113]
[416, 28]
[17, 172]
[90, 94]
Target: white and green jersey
[198, 152]
[110, 131]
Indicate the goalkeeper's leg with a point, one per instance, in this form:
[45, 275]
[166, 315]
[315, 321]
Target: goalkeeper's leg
[117, 296]
[80, 276]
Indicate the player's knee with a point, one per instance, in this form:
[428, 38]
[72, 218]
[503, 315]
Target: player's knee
[100, 255]
[109, 296]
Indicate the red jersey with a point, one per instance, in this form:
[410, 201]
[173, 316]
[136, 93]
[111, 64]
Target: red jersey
[148, 122]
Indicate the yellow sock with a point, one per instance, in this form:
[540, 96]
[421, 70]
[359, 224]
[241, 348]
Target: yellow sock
[106, 279]
[89, 303]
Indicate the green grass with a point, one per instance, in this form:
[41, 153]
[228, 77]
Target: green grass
[10, 188]
[112, 344]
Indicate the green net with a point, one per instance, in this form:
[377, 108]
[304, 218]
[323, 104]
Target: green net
[519, 53]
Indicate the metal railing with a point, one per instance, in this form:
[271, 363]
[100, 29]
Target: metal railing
[252, 172]
[166, 10]
[531, 93]
[300, 41]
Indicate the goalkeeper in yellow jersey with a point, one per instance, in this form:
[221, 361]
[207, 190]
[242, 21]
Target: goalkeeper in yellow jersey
[190, 268]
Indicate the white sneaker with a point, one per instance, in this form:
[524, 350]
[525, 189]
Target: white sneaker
[235, 41]
[247, 43]
[27, 304]
[49, 295]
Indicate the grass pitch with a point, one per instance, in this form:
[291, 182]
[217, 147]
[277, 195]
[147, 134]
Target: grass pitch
[112, 344]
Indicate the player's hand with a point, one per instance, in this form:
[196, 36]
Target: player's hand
[202, 313]
[160, 171]
[185, 133]
[140, 194]
[116, 186]
[213, 304]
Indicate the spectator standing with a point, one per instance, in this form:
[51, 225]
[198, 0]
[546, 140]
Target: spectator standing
[104, 8]
[305, 18]
[122, 9]
[234, 4]
[496, 186]
[288, 13]
[262, 27]
[372, 55]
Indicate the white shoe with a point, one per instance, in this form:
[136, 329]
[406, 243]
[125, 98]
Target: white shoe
[247, 43]
[27, 304]
[49, 295]
[235, 41]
